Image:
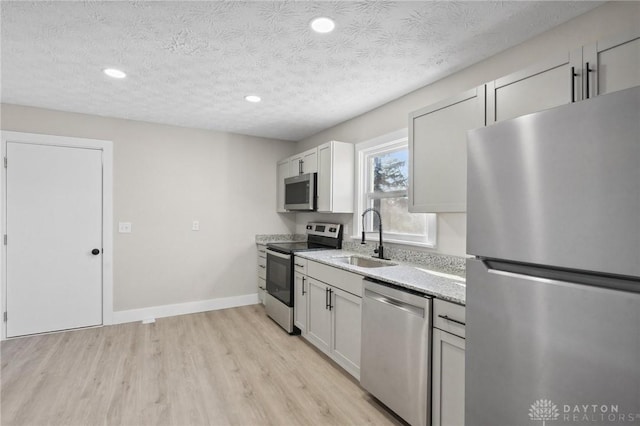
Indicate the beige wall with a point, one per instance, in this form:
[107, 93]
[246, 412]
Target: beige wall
[164, 178]
[607, 20]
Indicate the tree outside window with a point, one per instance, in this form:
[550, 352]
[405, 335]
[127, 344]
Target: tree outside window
[385, 181]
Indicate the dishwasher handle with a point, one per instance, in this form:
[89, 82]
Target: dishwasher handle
[415, 310]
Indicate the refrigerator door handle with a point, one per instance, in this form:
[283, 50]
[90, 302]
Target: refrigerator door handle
[547, 275]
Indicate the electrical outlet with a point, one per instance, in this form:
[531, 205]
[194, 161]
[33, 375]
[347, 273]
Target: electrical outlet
[124, 227]
[195, 226]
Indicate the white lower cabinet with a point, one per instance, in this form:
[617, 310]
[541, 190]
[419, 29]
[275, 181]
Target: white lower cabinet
[262, 271]
[346, 330]
[448, 379]
[333, 315]
[319, 316]
[301, 291]
[447, 367]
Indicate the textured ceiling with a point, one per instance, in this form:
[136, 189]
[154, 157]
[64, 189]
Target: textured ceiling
[191, 63]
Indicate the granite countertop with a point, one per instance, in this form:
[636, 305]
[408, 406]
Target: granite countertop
[404, 274]
[279, 238]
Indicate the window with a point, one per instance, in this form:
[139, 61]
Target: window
[383, 172]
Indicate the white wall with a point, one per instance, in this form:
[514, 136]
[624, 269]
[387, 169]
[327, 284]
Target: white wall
[607, 20]
[164, 178]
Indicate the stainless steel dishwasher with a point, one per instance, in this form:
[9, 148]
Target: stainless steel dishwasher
[396, 350]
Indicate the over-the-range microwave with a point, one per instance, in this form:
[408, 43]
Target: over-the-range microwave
[300, 192]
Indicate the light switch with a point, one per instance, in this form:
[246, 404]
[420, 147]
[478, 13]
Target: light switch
[195, 226]
[124, 227]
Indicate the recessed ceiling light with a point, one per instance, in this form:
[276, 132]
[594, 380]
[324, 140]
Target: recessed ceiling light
[114, 73]
[323, 25]
[252, 98]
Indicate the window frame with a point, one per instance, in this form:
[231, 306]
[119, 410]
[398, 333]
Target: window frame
[379, 145]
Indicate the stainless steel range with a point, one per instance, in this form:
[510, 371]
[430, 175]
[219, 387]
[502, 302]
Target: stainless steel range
[280, 261]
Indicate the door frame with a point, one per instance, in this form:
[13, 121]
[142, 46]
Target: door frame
[107, 211]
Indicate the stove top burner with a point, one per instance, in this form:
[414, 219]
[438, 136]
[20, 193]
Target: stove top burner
[297, 246]
[320, 236]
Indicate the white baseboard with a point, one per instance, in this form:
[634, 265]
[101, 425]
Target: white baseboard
[162, 311]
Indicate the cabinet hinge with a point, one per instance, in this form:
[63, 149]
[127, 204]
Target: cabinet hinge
[5, 316]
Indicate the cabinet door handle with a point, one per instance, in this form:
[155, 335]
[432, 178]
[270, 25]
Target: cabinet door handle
[300, 166]
[446, 317]
[326, 298]
[573, 84]
[262, 266]
[587, 71]
[303, 291]
[299, 265]
[330, 294]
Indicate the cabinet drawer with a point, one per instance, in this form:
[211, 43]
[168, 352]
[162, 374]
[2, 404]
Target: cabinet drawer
[300, 265]
[343, 280]
[449, 317]
[262, 268]
[262, 251]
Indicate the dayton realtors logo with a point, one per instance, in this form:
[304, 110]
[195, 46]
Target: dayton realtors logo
[543, 409]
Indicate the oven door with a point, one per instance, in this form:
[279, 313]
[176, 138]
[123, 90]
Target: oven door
[279, 276]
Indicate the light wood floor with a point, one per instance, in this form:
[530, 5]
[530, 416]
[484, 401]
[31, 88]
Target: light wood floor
[233, 366]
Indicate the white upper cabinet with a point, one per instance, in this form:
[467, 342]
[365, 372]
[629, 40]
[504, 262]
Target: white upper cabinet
[438, 152]
[437, 133]
[336, 177]
[602, 67]
[282, 173]
[547, 84]
[306, 162]
[612, 64]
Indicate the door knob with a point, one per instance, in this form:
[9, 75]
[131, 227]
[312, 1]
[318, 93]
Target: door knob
[95, 252]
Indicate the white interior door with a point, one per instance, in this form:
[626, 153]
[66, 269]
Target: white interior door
[54, 222]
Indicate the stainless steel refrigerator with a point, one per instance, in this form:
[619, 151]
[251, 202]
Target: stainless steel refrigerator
[553, 292]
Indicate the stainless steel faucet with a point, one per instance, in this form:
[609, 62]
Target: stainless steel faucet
[380, 250]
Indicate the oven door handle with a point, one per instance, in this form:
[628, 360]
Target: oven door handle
[280, 255]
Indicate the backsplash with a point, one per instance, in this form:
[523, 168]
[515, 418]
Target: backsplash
[438, 262]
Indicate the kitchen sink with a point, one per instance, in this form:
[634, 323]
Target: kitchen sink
[365, 262]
